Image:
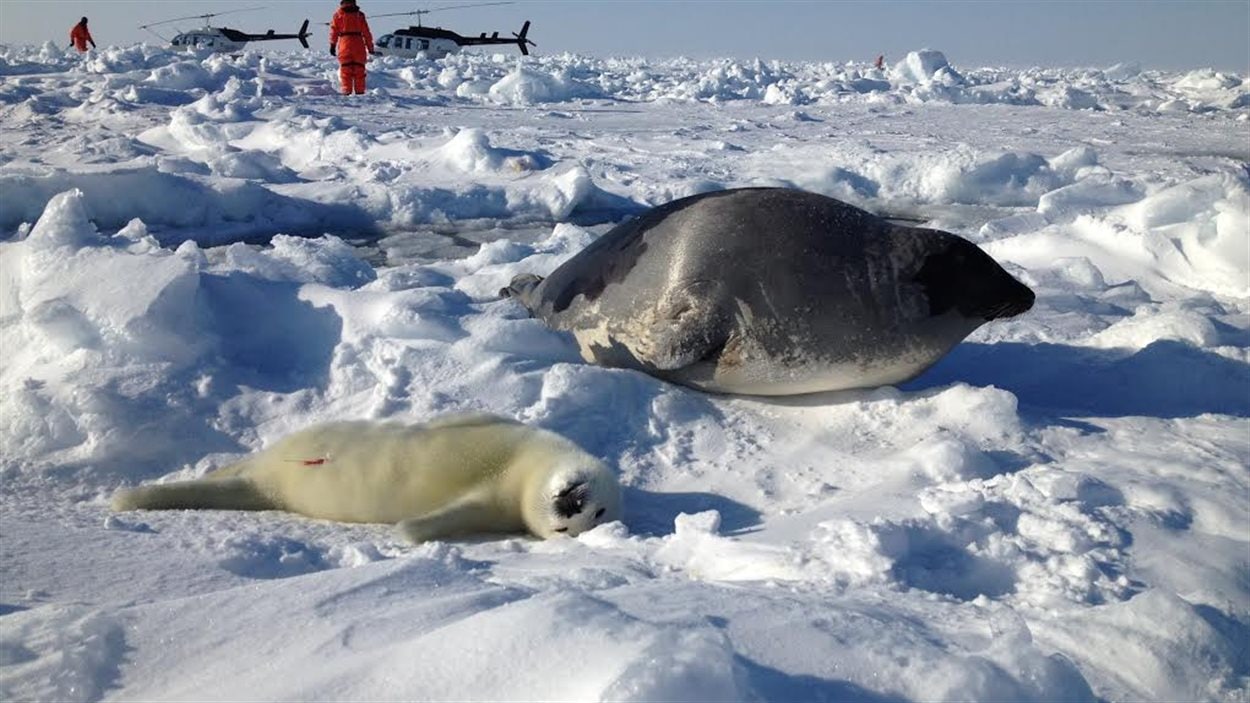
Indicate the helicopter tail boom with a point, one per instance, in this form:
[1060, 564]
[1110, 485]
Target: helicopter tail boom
[237, 36]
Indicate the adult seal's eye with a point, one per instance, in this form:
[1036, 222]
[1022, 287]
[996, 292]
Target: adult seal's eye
[599, 513]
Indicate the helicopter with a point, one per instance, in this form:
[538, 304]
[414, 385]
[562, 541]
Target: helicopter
[436, 42]
[222, 39]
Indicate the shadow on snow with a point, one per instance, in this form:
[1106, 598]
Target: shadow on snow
[1166, 379]
[651, 514]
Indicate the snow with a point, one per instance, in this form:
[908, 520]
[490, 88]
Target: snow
[202, 253]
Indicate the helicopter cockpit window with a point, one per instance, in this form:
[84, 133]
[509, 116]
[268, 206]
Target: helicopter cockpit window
[385, 41]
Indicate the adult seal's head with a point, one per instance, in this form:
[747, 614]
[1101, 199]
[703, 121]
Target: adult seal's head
[771, 291]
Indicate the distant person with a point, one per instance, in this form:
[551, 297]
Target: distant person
[351, 41]
[79, 36]
[879, 64]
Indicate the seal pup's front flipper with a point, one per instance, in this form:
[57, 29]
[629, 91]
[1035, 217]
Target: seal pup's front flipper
[210, 494]
[472, 514]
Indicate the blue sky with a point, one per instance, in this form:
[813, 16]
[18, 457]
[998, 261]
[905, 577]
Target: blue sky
[1163, 34]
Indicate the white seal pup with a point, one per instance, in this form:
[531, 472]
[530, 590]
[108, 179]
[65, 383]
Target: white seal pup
[770, 291]
[454, 477]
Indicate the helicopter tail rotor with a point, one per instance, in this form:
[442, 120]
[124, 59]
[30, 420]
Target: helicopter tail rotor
[521, 41]
[303, 34]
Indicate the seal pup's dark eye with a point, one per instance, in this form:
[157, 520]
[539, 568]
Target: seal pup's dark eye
[572, 499]
[562, 529]
[599, 513]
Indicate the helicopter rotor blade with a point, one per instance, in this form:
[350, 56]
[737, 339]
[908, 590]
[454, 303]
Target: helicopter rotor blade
[176, 19]
[440, 9]
[400, 14]
[155, 33]
[206, 16]
[476, 4]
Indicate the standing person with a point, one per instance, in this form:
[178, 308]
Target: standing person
[351, 40]
[80, 35]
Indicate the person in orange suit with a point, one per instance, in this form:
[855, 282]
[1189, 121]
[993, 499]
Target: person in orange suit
[351, 41]
[80, 35]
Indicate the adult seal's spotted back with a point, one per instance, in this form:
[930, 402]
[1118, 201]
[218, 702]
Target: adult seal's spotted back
[770, 291]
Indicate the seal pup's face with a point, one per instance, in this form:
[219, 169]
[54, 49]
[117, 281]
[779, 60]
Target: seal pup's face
[577, 500]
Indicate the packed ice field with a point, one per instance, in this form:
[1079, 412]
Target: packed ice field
[200, 254]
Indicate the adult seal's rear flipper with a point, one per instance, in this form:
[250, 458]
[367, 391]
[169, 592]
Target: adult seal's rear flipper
[524, 289]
